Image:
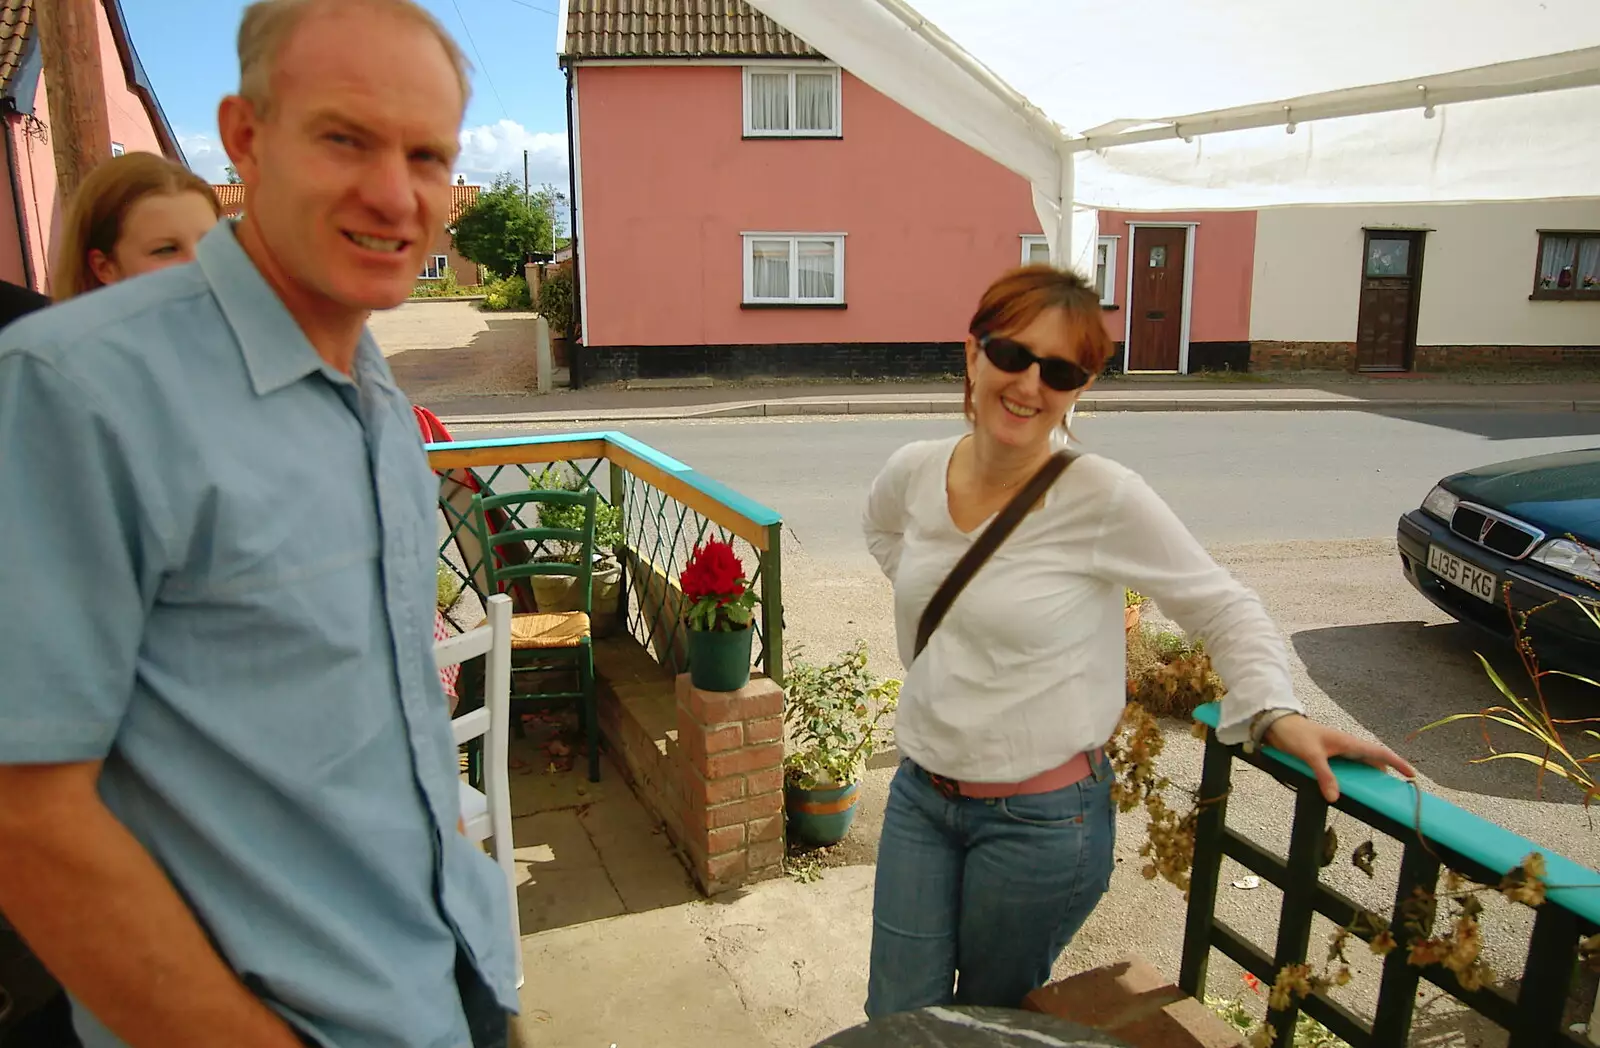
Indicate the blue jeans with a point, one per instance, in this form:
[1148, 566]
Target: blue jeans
[990, 889]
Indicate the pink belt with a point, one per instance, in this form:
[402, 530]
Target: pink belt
[1075, 770]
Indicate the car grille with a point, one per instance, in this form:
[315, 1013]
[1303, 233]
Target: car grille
[1504, 536]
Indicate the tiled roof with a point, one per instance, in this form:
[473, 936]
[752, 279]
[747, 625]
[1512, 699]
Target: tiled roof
[462, 197]
[16, 16]
[231, 197]
[677, 29]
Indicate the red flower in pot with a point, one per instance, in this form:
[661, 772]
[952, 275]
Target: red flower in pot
[720, 612]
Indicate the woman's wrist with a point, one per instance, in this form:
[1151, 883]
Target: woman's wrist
[1262, 723]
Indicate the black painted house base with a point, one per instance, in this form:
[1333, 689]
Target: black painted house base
[592, 365]
[1203, 356]
[597, 365]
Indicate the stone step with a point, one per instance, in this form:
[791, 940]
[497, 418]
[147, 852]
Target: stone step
[1130, 1000]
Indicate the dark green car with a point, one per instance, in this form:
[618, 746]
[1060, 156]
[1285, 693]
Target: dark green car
[1512, 538]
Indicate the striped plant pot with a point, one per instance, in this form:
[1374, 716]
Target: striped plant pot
[821, 817]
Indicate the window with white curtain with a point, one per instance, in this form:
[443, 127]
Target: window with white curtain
[801, 102]
[795, 269]
[1569, 265]
[1036, 252]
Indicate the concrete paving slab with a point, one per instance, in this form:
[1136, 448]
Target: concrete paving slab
[648, 879]
[796, 953]
[554, 840]
[643, 981]
[562, 898]
[534, 788]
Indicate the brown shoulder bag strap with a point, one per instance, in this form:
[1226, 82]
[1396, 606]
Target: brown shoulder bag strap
[1004, 523]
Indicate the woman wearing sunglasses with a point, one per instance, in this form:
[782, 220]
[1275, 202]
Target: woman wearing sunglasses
[998, 835]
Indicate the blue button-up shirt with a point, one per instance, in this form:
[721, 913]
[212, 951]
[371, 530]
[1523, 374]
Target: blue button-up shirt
[217, 561]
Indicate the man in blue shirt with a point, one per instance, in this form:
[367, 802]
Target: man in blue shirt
[228, 790]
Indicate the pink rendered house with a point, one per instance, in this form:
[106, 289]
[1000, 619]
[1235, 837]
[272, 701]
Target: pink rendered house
[742, 207]
[30, 211]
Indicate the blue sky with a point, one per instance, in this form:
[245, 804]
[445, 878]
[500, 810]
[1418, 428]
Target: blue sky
[518, 92]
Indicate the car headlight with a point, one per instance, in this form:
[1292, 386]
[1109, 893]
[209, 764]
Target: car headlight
[1440, 503]
[1569, 557]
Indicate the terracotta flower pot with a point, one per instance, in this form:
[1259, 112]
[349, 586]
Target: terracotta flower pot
[1130, 618]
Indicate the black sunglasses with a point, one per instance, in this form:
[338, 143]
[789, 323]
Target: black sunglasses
[1013, 357]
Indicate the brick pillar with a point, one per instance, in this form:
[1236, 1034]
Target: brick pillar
[732, 745]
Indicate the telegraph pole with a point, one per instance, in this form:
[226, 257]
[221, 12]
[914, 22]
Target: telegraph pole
[527, 194]
[80, 127]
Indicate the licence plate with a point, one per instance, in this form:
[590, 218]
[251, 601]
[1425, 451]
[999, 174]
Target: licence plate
[1461, 574]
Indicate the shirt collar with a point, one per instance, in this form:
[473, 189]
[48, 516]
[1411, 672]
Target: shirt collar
[276, 352]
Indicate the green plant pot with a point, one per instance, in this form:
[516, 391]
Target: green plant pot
[823, 816]
[718, 660]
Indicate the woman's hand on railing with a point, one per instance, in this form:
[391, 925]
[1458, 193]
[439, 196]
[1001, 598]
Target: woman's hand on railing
[1314, 743]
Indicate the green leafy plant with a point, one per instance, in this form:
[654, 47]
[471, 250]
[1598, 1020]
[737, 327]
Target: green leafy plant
[445, 287]
[555, 299]
[1530, 714]
[717, 590]
[607, 518]
[510, 293]
[1133, 599]
[835, 713]
[449, 587]
[502, 227]
[1308, 1033]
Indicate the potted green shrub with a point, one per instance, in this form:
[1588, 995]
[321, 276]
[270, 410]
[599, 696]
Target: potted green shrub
[720, 616]
[555, 305]
[559, 592]
[834, 713]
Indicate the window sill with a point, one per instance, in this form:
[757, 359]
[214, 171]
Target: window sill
[793, 305]
[1558, 295]
[789, 136]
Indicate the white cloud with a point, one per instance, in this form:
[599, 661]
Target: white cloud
[490, 149]
[205, 155]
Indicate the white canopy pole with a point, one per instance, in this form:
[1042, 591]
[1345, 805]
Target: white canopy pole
[1071, 231]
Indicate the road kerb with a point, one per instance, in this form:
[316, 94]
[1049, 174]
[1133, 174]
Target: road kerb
[845, 407]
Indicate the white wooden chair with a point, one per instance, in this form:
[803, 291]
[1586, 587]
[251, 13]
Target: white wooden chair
[487, 815]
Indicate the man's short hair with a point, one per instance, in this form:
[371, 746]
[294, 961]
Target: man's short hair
[268, 25]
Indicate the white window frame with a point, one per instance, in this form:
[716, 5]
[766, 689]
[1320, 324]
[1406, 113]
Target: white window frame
[838, 101]
[1108, 297]
[440, 264]
[116, 149]
[793, 298]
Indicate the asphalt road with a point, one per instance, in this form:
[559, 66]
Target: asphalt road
[1233, 477]
[1302, 507]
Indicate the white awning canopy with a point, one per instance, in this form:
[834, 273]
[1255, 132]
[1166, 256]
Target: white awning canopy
[1212, 104]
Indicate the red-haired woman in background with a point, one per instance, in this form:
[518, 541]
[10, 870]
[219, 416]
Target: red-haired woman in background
[999, 832]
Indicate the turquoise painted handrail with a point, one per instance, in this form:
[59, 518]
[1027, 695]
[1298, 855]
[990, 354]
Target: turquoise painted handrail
[746, 507]
[1574, 887]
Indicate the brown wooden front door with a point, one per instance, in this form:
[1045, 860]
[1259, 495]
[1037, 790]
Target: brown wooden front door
[1386, 328]
[1155, 315]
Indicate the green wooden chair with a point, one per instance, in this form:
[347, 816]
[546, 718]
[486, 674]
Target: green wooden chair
[545, 644]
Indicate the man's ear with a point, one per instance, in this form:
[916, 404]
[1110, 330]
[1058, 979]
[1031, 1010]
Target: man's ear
[240, 127]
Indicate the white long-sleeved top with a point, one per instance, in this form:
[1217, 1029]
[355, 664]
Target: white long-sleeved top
[1029, 666]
